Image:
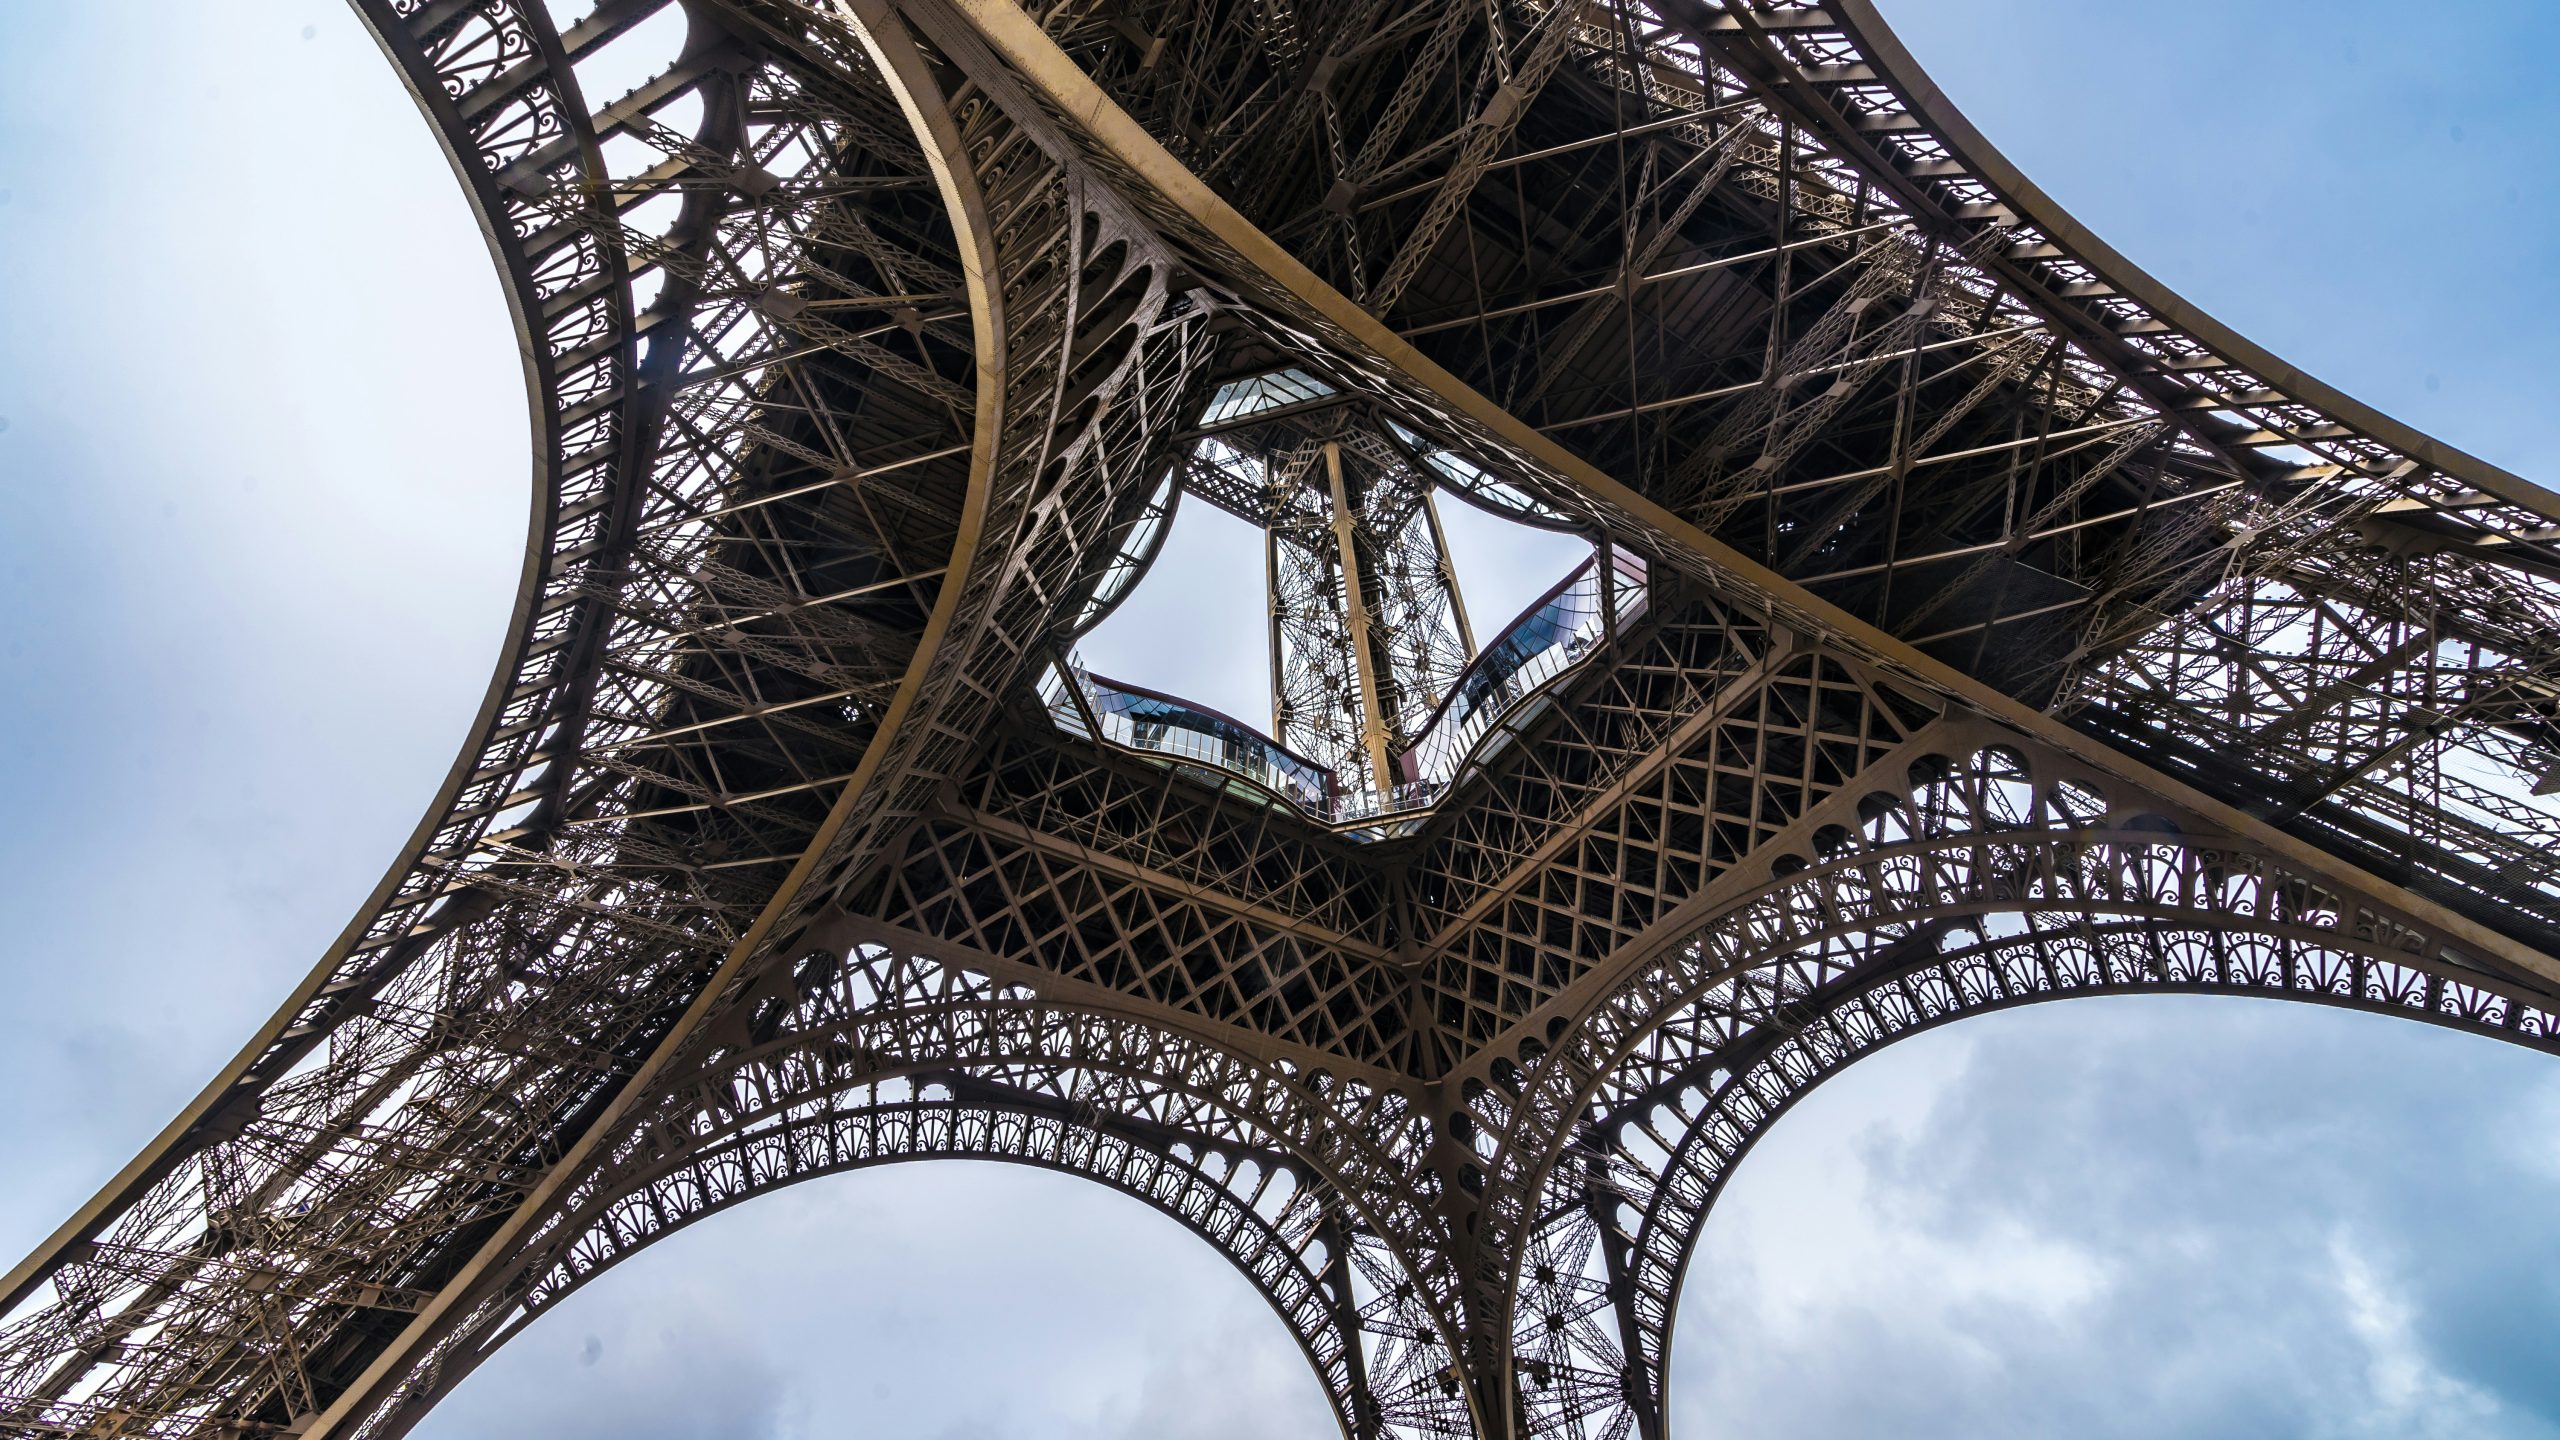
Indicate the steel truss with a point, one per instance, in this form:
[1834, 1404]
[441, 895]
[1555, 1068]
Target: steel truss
[2012, 632]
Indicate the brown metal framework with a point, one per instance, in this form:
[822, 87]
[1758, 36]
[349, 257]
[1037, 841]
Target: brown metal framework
[2013, 632]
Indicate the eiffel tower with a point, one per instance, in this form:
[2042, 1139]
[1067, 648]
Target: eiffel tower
[1970, 622]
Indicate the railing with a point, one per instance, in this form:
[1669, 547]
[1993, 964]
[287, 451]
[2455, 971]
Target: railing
[1548, 638]
[1565, 624]
[1141, 719]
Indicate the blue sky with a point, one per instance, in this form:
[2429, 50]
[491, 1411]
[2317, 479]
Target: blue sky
[265, 485]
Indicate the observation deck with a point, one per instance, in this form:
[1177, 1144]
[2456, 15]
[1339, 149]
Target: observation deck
[1503, 690]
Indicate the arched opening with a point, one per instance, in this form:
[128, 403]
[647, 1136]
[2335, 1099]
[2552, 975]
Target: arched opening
[895, 1059]
[949, 1299]
[2158, 1216]
[1880, 938]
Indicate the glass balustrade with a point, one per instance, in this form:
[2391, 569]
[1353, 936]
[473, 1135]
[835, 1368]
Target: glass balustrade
[1549, 638]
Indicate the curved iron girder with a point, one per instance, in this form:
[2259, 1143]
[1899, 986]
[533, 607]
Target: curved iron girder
[1246, 1203]
[2349, 495]
[1086, 362]
[2178, 472]
[871, 1018]
[486, 1007]
[1616, 1118]
[1084, 354]
[628, 1006]
[2078, 278]
[574, 355]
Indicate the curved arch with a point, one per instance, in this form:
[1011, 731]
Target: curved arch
[2064, 1202]
[1746, 1089]
[2082, 249]
[1977, 824]
[1027, 302]
[842, 1071]
[1993, 882]
[582, 348]
[1305, 1277]
[884, 1015]
[2431, 555]
[583, 846]
[1968, 821]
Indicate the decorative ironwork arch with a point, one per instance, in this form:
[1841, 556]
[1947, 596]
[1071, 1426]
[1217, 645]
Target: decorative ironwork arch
[2002, 974]
[1994, 876]
[1246, 1204]
[885, 1054]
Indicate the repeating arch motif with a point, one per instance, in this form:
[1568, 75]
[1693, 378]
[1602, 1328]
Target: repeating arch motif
[2043, 960]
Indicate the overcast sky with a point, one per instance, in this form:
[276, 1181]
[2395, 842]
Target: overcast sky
[264, 474]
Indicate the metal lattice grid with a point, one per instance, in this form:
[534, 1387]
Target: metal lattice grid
[1970, 623]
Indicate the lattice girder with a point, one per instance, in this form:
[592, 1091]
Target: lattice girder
[1963, 874]
[1740, 212]
[1368, 630]
[1145, 880]
[871, 1032]
[761, 864]
[590, 858]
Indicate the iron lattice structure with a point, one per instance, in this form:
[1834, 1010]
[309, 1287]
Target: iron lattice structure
[1972, 623]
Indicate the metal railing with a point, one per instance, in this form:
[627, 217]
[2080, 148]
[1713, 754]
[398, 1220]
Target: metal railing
[1140, 719]
[1549, 638]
